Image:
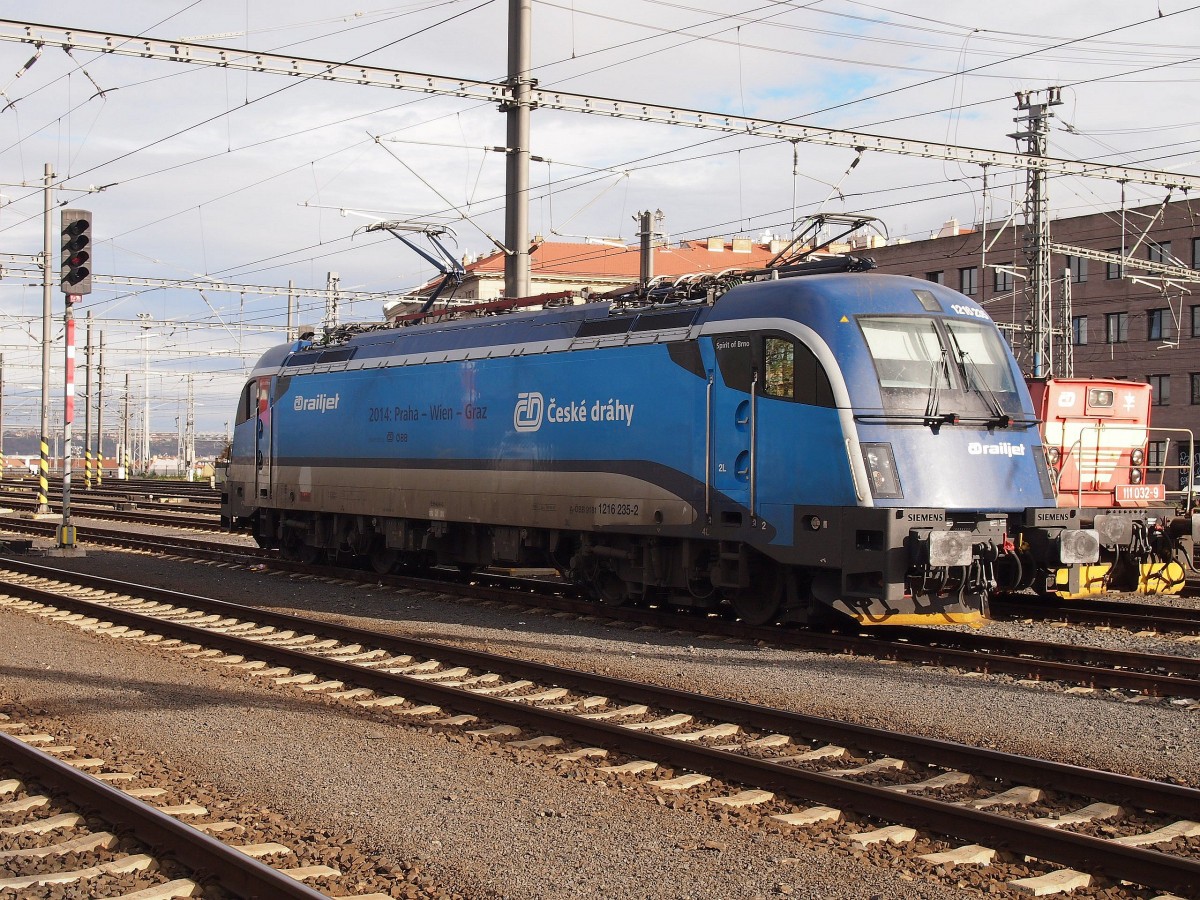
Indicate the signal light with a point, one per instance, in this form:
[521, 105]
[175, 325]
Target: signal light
[75, 267]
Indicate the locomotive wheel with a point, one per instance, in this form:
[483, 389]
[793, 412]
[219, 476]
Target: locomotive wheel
[610, 589]
[295, 549]
[310, 555]
[384, 559]
[760, 603]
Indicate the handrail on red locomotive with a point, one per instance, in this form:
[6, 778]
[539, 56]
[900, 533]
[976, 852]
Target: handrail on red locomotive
[1084, 452]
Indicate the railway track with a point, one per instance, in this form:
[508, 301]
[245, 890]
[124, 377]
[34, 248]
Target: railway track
[197, 520]
[116, 490]
[1159, 675]
[792, 771]
[163, 486]
[1134, 616]
[76, 821]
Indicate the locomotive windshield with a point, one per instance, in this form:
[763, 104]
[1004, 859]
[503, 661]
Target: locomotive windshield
[955, 364]
[981, 356]
[907, 353]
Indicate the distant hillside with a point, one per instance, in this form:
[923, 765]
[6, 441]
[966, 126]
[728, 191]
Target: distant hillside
[25, 443]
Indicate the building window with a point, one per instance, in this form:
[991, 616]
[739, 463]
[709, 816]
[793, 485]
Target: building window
[938, 277]
[1156, 455]
[1195, 377]
[1160, 390]
[1114, 270]
[1078, 267]
[1002, 282]
[1158, 324]
[1159, 252]
[1196, 321]
[1078, 330]
[1196, 253]
[1116, 328]
[968, 280]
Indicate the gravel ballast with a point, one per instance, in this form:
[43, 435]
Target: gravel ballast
[482, 821]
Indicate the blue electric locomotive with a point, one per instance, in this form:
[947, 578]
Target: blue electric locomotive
[847, 442]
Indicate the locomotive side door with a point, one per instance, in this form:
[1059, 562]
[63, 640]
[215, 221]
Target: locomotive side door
[732, 425]
[262, 440]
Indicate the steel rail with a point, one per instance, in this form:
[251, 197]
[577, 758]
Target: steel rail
[204, 855]
[930, 750]
[89, 511]
[198, 548]
[1117, 613]
[143, 502]
[1148, 867]
[1184, 671]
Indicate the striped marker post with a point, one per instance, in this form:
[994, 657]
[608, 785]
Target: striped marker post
[87, 407]
[43, 490]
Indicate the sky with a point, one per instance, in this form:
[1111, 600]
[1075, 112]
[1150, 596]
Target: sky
[208, 173]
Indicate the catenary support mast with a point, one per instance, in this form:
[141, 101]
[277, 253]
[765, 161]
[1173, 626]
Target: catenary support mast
[516, 109]
[1037, 224]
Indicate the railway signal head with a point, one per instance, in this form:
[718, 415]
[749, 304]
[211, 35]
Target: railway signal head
[76, 261]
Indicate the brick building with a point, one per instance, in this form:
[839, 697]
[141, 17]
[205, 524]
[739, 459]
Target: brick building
[1120, 321]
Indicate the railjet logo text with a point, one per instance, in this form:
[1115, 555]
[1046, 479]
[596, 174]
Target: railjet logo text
[320, 403]
[1004, 448]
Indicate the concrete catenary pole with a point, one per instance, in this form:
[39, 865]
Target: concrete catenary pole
[147, 324]
[123, 467]
[291, 307]
[516, 204]
[645, 221]
[66, 530]
[43, 489]
[189, 432]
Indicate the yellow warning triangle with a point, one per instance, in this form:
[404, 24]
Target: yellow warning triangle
[843, 319]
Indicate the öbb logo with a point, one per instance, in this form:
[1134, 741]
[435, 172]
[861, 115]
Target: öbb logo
[527, 414]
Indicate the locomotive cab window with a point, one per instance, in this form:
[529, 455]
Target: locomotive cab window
[779, 368]
[787, 369]
[907, 353]
[983, 361]
[248, 402]
[923, 361]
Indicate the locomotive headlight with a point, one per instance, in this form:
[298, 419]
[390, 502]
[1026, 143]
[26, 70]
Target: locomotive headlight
[1137, 456]
[881, 470]
[1054, 455]
[1135, 476]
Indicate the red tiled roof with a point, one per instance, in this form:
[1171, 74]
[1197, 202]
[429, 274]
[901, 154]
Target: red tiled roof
[554, 258]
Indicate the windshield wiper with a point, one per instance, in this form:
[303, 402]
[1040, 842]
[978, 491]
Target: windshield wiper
[976, 382]
[934, 418]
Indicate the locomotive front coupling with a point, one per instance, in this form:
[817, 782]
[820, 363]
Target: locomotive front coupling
[981, 553]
